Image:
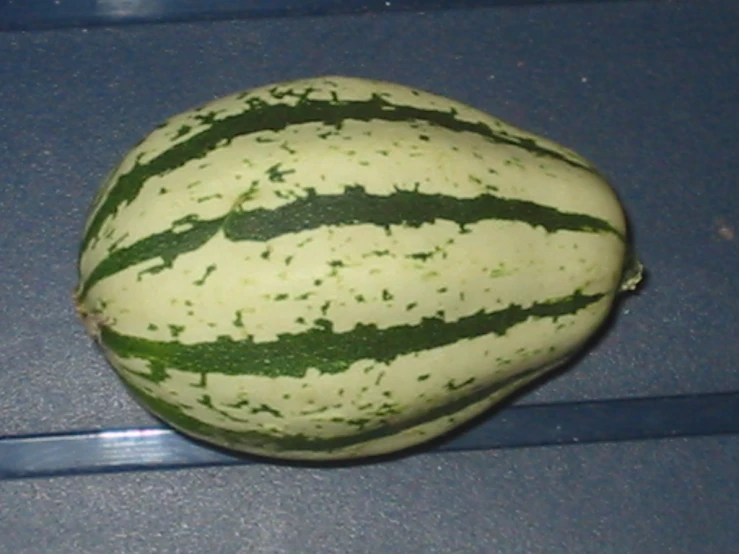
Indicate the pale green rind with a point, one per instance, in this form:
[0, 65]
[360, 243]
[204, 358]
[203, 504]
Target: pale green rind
[369, 394]
[378, 441]
[271, 168]
[356, 205]
[330, 101]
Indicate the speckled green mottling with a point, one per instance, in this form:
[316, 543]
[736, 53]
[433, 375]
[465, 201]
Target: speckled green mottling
[207, 197]
[276, 173]
[238, 319]
[452, 385]
[366, 340]
[115, 244]
[404, 207]
[276, 442]
[181, 132]
[327, 350]
[265, 408]
[165, 246]
[208, 271]
[176, 330]
[259, 116]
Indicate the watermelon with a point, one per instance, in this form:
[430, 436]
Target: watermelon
[336, 268]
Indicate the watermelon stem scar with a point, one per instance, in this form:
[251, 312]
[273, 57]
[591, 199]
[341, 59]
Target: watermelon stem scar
[92, 321]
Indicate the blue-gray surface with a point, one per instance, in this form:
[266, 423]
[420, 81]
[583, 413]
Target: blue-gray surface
[49, 14]
[649, 91]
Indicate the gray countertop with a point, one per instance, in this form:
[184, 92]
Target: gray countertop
[648, 91]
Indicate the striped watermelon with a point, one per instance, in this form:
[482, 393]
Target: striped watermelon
[336, 268]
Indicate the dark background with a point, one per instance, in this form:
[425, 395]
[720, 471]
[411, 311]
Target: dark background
[648, 91]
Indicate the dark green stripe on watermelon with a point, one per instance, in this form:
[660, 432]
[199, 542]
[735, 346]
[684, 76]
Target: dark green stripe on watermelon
[176, 416]
[322, 348]
[354, 206]
[259, 116]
